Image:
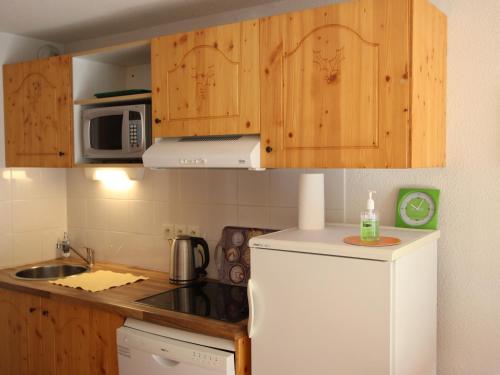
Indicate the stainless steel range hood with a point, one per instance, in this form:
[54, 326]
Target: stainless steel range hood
[231, 151]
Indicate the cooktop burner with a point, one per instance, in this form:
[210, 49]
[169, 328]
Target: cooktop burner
[208, 299]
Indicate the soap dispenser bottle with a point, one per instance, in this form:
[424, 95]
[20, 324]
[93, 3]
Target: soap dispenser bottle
[369, 227]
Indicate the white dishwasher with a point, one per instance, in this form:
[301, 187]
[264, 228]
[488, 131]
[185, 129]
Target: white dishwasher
[150, 349]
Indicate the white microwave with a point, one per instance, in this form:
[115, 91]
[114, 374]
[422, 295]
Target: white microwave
[119, 133]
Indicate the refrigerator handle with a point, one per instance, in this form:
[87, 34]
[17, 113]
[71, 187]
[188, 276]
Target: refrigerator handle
[251, 306]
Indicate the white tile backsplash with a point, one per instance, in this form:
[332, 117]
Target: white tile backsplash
[118, 215]
[193, 186]
[26, 216]
[97, 213]
[165, 185]
[33, 214]
[126, 226]
[5, 185]
[77, 212]
[253, 188]
[222, 186]
[26, 184]
[5, 217]
[49, 241]
[37, 205]
[28, 247]
[283, 217]
[284, 187]
[6, 251]
[253, 216]
[143, 217]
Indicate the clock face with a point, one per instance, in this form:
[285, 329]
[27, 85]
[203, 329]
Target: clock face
[237, 274]
[232, 254]
[417, 209]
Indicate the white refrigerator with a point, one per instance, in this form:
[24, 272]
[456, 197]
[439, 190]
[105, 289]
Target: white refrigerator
[319, 306]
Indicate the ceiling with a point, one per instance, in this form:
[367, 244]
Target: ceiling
[72, 20]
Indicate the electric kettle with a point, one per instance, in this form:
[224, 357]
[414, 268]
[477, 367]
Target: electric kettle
[183, 268]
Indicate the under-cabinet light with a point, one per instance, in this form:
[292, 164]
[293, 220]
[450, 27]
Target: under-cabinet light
[15, 174]
[115, 178]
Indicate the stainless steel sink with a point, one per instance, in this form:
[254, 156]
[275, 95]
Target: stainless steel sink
[50, 271]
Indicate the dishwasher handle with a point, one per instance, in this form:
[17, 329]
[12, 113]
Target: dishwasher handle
[165, 362]
[251, 308]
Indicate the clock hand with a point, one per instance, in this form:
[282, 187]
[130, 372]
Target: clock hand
[420, 205]
[414, 206]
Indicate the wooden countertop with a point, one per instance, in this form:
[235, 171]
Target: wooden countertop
[120, 300]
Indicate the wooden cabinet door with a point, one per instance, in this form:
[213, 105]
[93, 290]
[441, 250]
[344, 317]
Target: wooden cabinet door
[206, 82]
[20, 344]
[335, 86]
[38, 113]
[83, 339]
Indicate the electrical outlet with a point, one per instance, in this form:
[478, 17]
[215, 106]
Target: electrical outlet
[168, 231]
[193, 230]
[180, 229]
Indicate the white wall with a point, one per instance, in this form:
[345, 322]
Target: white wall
[469, 258]
[32, 201]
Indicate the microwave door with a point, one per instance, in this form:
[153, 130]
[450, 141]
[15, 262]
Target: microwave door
[103, 133]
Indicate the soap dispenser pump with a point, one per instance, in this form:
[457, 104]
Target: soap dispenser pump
[369, 226]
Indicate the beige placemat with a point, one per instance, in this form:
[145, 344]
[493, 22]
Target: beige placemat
[98, 281]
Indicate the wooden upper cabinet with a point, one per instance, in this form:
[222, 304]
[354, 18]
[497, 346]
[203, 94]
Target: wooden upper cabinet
[206, 82]
[359, 84]
[38, 113]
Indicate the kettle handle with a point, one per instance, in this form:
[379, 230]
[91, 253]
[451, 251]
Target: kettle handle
[195, 241]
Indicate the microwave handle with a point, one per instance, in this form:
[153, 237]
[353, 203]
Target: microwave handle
[85, 139]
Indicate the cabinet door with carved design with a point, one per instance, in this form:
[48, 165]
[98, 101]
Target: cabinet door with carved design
[335, 86]
[206, 82]
[38, 113]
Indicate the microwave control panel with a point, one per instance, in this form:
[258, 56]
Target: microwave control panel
[135, 129]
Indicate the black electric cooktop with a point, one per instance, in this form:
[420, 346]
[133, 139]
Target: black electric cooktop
[208, 299]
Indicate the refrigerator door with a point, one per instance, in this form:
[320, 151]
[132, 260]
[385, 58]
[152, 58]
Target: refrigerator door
[316, 314]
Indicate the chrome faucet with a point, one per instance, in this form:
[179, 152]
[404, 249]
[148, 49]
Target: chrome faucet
[66, 248]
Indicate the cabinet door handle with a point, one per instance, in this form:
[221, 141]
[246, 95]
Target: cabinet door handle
[32, 309]
[61, 153]
[45, 313]
[157, 121]
[251, 307]
[269, 149]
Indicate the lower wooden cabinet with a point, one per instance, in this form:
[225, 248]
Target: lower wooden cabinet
[46, 337]
[19, 324]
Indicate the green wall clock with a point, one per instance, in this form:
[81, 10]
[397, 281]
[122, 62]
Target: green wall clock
[417, 208]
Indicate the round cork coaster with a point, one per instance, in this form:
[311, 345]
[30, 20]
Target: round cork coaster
[383, 241]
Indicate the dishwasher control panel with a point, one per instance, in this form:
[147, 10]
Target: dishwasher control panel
[208, 359]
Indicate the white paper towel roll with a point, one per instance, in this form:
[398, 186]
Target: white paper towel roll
[312, 201]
